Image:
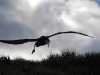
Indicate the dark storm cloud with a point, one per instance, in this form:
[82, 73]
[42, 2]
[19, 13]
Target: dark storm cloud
[10, 30]
[5, 4]
[11, 26]
[98, 1]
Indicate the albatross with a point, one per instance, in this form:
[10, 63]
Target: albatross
[43, 40]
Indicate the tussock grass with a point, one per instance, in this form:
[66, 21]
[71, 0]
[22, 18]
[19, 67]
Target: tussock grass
[65, 63]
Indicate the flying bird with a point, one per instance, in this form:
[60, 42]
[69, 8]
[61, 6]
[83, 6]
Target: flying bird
[43, 40]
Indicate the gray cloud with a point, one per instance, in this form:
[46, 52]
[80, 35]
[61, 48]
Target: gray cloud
[94, 46]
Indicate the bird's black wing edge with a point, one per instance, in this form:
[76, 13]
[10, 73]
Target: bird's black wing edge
[69, 32]
[19, 41]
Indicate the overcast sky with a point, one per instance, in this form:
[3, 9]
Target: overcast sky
[20, 19]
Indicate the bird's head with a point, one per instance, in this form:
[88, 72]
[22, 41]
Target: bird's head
[47, 42]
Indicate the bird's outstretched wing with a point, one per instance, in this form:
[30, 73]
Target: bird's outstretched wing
[19, 41]
[69, 32]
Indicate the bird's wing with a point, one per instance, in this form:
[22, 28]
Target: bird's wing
[19, 41]
[69, 32]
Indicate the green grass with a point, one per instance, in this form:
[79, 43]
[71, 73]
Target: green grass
[65, 63]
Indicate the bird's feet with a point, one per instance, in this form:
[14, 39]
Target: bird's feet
[33, 51]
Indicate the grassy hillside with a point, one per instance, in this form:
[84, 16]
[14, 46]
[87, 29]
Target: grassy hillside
[66, 63]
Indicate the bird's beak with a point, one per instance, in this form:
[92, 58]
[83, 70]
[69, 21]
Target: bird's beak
[47, 42]
[48, 45]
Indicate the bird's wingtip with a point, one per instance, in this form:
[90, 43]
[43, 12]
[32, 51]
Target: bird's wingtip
[91, 36]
